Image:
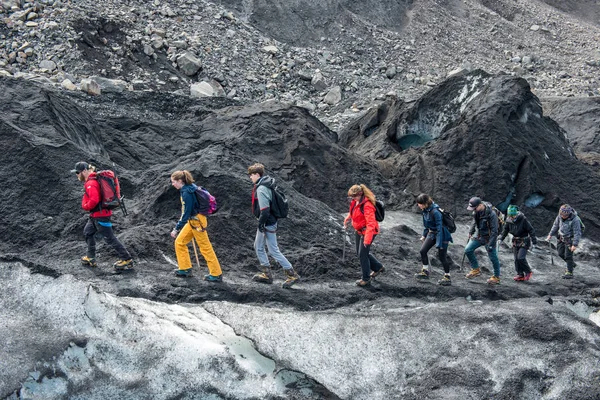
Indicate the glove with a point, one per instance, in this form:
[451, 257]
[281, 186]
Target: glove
[261, 228]
[174, 233]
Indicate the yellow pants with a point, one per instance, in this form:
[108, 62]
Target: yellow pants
[195, 229]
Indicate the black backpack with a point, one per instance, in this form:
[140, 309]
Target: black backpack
[279, 204]
[379, 210]
[447, 220]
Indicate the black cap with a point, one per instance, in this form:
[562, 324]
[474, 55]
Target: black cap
[473, 203]
[80, 166]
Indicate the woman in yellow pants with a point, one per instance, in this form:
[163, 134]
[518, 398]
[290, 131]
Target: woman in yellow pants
[192, 225]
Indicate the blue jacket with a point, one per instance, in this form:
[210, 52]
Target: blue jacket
[188, 204]
[432, 221]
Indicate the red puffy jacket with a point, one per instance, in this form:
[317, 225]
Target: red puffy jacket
[363, 219]
[91, 198]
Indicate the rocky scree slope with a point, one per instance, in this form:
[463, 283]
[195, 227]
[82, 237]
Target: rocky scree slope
[332, 57]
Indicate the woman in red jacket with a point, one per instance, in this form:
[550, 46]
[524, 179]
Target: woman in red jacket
[362, 215]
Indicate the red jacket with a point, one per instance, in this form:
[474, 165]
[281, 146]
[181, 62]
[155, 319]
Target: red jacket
[364, 222]
[91, 198]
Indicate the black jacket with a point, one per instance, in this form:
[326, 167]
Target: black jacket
[486, 222]
[519, 227]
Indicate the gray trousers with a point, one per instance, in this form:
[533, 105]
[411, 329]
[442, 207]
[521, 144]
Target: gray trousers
[269, 238]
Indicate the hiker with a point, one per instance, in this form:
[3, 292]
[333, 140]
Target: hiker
[434, 234]
[568, 230]
[362, 216]
[486, 223]
[192, 226]
[266, 233]
[99, 220]
[523, 239]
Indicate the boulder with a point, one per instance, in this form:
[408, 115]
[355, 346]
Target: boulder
[189, 64]
[334, 96]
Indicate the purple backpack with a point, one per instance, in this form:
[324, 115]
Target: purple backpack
[207, 204]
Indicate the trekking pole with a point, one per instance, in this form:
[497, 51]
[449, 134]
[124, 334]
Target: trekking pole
[550, 251]
[196, 252]
[344, 248]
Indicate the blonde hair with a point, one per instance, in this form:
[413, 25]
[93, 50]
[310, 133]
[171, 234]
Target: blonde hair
[363, 190]
[184, 176]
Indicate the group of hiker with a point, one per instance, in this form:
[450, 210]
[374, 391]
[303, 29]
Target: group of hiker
[488, 227]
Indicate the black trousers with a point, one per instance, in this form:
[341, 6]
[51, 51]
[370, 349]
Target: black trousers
[428, 243]
[566, 254]
[368, 262]
[521, 264]
[104, 227]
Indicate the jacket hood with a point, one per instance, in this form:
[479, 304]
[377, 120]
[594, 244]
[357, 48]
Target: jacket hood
[191, 188]
[266, 181]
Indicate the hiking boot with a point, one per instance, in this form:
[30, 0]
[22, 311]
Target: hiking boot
[213, 278]
[123, 265]
[362, 283]
[567, 275]
[494, 280]
[375, 273]
[519, 278]
[264, 276]
[473, 273]
[183, 273]
[527, 276]
[424, 274]
[88, 262]
[445, 281]
[292, 278]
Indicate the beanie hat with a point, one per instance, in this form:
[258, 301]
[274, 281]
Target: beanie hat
[512, 210]
[566, 209]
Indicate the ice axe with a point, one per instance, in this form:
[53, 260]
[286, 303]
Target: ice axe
[196, 252]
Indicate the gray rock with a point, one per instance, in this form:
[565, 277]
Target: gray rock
[180, 44]
[201, 89]
[48, 65]
[334, 96]
[535, 28]
[67, 84]
[390, 72]
[189, 64]
[527, 60]
[110, 85]
[271, 49]
[306, 104]
[90, 87]
[305, 75]
[318, 81]
[148, 50]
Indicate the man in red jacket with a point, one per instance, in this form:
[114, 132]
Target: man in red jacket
[99, 220]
